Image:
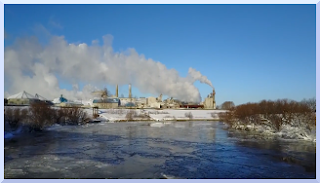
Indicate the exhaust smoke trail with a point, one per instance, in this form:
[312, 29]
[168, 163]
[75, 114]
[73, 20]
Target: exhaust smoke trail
[35, 68]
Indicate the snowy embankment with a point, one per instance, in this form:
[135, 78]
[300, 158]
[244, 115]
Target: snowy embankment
[296, 130]
[149, 114]
[157, 115]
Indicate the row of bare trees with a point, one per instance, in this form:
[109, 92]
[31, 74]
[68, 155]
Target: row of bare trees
[274, 113]
[40, 115]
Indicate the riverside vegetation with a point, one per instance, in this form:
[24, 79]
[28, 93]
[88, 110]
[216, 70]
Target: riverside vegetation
[273, 116]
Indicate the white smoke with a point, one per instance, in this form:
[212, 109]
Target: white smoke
[34, 68]
[197, 76]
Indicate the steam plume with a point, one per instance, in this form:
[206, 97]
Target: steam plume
[34, 68]
[197, 76]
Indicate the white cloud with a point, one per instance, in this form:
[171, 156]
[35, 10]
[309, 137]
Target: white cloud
[92, 65]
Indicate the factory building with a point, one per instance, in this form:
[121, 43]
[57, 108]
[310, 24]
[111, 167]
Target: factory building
[210, 101]
[106, 103]
[141, 102]
[41, 98]
[170, 103]
[22, 98]
[126, 101]
[154, 102]
[63, 102]
[151, 100]
[59, 100]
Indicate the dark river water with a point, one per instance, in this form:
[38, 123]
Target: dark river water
[146, 150]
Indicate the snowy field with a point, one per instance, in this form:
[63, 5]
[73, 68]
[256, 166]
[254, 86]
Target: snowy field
[157, 115]
[114, 115]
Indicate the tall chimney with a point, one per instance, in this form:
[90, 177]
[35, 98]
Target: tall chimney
[214, 99]
[214, 95]
[130, 94]
[117, 91]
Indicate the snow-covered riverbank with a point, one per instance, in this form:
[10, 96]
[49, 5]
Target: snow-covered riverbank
[157, 115]
[293, 131]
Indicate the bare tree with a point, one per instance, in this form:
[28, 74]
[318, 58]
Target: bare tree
[12, 117]
[311, 103]
[131, 114]
[41, 116]
[227, 105]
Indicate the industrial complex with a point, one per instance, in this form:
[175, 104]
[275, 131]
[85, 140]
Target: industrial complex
[102, 99]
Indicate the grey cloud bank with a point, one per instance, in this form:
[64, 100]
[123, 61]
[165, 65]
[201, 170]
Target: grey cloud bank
[32, 67]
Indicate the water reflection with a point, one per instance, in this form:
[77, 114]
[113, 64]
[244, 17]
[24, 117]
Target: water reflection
[145, 150]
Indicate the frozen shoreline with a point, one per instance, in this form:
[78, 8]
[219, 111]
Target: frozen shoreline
[287, 132]
[178, 115]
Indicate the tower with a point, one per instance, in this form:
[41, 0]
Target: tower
[117, 91]
[214, 98]
[160, 98]
[130, 94]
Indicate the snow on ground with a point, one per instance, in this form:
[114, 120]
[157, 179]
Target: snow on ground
[155, 115]
[286, 132]
[113, 115]
[159, 115]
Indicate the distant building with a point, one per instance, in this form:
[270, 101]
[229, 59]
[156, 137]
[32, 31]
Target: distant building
[106, 103]
[41, 98]
[129, 104]
[59, 100]
[170, 103]
[151, 100]
[63, 102]
[142, 101]
[210, 101]
[22, 98]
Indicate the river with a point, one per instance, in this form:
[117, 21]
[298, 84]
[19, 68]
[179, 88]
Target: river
[155, 150]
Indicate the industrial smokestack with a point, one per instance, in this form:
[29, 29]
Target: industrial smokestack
[130, 94]
[214, 98]
[214, 95]
[117, 91]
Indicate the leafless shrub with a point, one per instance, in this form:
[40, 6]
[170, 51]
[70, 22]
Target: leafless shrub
[227, 117]
[95, 115]
[276, 122]
[24, 114]
[278, 113]
[74, 116]
[41, 116]
[227, 105]
[188, 115]
[12, 117]
[311, 103]
[130, 115]
[59, 116]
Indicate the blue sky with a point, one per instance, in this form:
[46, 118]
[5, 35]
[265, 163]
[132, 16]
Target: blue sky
[248, 52]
